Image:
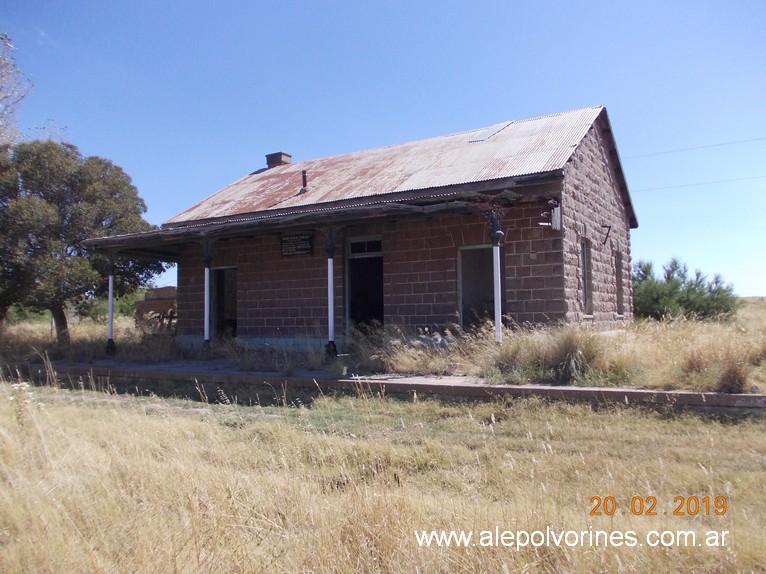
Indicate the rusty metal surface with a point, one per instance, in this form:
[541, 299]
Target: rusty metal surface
[508, 149]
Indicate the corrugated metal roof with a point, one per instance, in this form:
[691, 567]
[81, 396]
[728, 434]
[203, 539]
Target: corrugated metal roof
[508, 149]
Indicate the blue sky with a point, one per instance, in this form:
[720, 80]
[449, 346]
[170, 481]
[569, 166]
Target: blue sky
[189, 96]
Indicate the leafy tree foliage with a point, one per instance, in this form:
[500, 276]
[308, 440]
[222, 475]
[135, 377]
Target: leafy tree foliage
[51, 200]
[677, 294]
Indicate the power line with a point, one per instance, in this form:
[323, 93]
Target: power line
[695, 148]
[700, 183]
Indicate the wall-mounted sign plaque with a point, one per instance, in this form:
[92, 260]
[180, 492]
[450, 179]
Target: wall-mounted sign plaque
[300, 244]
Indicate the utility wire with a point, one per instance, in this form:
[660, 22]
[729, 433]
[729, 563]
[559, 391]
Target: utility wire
[700, 183]
[694, 148]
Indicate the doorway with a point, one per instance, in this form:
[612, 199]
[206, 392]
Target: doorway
[477, 294]
[364, 265]
[224, 302]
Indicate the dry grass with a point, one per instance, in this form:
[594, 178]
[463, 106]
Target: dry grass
[32, 341]
[96, 483]
[696, 355]
[713, 356]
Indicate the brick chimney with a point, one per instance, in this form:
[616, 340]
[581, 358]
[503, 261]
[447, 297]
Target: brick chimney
[277, 158]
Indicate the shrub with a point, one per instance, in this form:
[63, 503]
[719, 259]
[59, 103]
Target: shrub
[19, 314]
[575, 351]
[556, 355]
[679, 295]
[733, 377]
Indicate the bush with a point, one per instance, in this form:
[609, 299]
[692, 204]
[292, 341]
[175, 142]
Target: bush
[96, 308]
[19, 314]
[679, 295]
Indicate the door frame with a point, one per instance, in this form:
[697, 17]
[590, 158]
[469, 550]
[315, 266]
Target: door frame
[348, 256]
[215, 329]
[460, 251]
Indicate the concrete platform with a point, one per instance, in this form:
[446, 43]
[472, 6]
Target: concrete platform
[193, 379]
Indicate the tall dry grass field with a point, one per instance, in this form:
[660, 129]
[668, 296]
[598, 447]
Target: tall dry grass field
[726, 356]
[98, 483]
[34, 341]
[712, 356]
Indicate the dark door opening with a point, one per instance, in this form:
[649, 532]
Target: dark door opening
[477, 294]
[224, 302]
[365, 290]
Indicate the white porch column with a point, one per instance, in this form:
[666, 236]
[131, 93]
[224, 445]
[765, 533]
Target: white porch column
[330, 300]
[330, 348]
[111, 348]
[495, 220]
[497, 293]
[206, 258]
[110, 310]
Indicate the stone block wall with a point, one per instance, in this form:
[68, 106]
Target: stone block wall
[421, 267]
[534, 282]
[594, 212]
[420, 283]
[191, 288]
[276, 296]
[286, 296]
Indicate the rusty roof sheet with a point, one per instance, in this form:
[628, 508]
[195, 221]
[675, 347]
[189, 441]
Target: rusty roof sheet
[508, 149]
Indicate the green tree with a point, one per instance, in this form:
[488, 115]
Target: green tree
[677, 294]
[51, 200]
